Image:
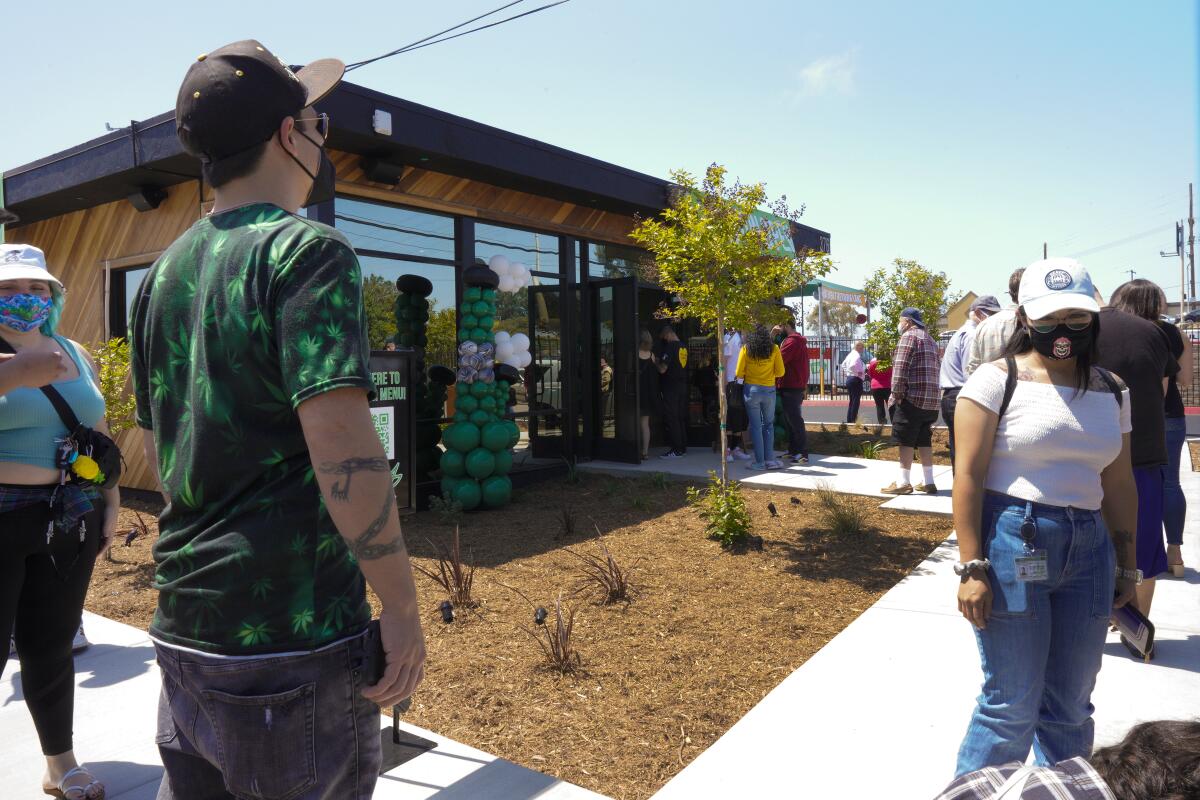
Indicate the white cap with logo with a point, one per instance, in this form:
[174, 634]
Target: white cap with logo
[1056, 284]
[24, 262]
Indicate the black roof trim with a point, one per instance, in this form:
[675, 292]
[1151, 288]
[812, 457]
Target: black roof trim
[107, 168]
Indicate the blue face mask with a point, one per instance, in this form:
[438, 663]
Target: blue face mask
[24, 312]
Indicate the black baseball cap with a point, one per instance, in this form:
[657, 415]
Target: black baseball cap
[235, 97]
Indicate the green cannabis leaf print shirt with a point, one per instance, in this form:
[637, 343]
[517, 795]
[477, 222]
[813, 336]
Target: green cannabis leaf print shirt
[248, 314]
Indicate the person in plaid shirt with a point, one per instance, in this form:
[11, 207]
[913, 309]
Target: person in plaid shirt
[914, 400]
[1155, 761]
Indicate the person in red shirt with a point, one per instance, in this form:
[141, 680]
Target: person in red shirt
[791, 387]
[881, 388]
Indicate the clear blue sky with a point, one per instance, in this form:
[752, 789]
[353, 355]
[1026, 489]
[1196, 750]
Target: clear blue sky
[960, 134]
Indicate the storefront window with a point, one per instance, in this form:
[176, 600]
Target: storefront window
[379, 298]
[614, 260]
[530, 251]
[122, 292]
[383, 228]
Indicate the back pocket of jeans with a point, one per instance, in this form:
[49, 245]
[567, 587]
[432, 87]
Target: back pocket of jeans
[265, 742]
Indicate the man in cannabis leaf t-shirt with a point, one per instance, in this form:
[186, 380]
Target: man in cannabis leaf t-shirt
[250, 370]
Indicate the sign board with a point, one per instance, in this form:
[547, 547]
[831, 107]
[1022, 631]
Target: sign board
[392, 413]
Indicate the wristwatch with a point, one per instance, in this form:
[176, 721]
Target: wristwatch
[1134, 575]
[965, 568]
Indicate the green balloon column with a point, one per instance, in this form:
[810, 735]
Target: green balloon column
[412, 315]
[479, 443]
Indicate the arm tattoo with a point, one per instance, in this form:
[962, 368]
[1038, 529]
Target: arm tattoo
[1121, 539]
[363, 549]
[341, 491]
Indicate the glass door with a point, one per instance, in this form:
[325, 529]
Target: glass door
[545, 375]
[611, 382]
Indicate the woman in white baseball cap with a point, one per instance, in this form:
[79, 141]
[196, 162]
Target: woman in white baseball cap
[53, 529]
[1045, 507]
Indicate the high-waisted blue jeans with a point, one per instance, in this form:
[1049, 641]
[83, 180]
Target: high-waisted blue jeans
[760, 406]
[1042, 646]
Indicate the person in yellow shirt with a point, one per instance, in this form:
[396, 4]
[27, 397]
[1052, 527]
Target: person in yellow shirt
[759, 365]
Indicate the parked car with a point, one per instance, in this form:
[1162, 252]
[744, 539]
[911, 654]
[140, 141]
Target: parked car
[1192, 316]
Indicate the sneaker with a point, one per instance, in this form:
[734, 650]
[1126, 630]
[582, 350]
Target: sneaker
[774, 465]
[81, 641]
[757, 467]
[741, 455]
[892, 488]
[803, 460]
[670, 454]
[926, 488]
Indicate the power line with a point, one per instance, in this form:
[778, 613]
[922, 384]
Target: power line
[426, 42]
[1157, 229]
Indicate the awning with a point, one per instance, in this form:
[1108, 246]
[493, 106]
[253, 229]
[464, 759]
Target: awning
[832, 292]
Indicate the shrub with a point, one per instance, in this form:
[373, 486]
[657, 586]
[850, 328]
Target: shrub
[573, 476]
[452, 575]
[449, 512]
[566, 523]
[605, 576]
[723, 510]
[557, 645]
[659, 481]
[870, 449]
[841, 514]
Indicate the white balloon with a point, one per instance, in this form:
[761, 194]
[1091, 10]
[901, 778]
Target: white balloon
[503, 351]
[506, 284]
[502, 268]
[499, 264]
[526, 359]
[520, 342]
[500, 338]
[513, 361]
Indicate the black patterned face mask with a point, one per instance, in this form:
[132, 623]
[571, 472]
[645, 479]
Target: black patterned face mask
[1062, 342]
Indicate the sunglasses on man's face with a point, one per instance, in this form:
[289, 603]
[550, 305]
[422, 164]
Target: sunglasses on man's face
[322, 121]
[1076, 322]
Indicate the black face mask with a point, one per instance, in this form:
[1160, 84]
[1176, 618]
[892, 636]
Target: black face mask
[1062, 342]
[324, 183]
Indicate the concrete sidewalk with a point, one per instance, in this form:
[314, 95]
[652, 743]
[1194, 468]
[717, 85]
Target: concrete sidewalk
[116, 700]
[859, 476]
[881, 709]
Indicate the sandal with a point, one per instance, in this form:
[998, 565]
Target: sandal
[65, 791]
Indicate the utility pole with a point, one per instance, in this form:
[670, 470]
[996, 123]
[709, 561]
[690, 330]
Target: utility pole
[1044, 251]
[1191, 246]
[1131, 273]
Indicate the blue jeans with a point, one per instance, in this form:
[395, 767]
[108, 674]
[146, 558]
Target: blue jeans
[289, 726]
[1174, 503]
[1043, 642]
[760, 407]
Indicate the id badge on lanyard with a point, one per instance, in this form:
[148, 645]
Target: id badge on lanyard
[1033, 565]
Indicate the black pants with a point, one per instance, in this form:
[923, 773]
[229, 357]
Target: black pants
[881, 408]
[949, 401]
[675, 397]
[42, 609]
[854, 386]
[793, 415]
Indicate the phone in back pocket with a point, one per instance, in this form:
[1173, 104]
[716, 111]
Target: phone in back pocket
[376, 662]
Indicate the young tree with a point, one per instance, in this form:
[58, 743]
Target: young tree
[907, 284]
[841, 319]
[379, 301]
[728, 266]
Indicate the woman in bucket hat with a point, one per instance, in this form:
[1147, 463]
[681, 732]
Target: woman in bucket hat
[1045, 509]
[53, 529]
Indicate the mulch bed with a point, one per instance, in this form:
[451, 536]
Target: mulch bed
[833, 439]
[1194, 450]
[708, 635]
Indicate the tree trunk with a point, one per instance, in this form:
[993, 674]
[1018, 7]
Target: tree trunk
[722, 380]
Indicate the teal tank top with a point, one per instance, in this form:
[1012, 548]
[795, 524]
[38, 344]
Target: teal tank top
[29, 425]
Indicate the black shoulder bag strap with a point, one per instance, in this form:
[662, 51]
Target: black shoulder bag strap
[1010, 383]
[1112, 385]
[65, 412]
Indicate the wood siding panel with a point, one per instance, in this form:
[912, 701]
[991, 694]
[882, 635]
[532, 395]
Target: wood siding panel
[440, 192]
[78, 244]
